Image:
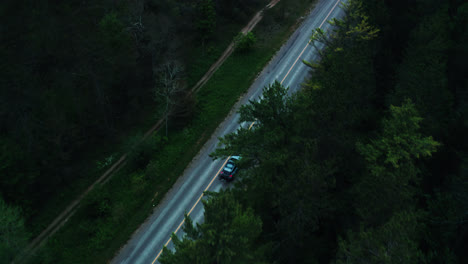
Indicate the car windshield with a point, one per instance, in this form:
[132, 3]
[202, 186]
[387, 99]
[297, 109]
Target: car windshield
[228, 167]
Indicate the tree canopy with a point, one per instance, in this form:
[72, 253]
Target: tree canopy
[77, 75]
[227, 235]
[367, 163]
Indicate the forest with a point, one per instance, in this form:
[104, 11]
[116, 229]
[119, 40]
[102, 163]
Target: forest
[80, 83]
[78, 76]
[368, 163]
[66, 88]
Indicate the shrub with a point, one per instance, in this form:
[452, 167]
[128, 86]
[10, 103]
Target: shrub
[244, 42]
[152, 170]
[140, 152]
[98, 204]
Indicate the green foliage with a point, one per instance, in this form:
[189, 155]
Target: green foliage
[227, 234]
[270, 110]
[244, 42]
[342, 86]
[346, 32]
[303, 175]
[75, 80]
[152, 169]
[401, 141]
[308, 174]
[422, 76]
[298, 156]
[101, 237]
[13, 234]
[106, 162]
[113, 33]
[393, 242]
[98, 204]
[206, 18]
[271, 120]
[14, 179]
[141, 150]
[447, 218]
[284, 181]
[131, 204]
[391, 160]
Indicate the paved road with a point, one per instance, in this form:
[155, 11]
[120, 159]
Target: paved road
[287, 67]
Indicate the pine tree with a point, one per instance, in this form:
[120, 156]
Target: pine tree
[392, 177]
[227, 235]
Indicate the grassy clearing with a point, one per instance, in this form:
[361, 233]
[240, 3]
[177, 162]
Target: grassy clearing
[112, 212]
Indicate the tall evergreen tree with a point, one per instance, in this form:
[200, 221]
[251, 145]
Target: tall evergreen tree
[393, 242]
[206, 19]
[422, 76]
[283, 183]
[227, 235]
[393, 176]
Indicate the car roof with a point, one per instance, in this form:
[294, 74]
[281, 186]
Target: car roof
[235, 157]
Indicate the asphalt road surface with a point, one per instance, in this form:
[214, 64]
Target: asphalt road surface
[147, 242]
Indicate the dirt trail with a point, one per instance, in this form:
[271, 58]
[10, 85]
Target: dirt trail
[251, 25]
[69, 211]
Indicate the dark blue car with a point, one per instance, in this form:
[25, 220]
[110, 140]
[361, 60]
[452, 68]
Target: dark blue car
[230, 169]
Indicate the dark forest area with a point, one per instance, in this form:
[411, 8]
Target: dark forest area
[367, 164]
[76, 75]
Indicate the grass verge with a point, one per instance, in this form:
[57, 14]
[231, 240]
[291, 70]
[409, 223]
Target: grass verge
[112, 212]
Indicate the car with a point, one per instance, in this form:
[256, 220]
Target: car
[230, 169]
